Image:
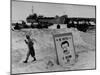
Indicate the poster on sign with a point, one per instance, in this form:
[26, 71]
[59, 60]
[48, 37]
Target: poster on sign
[65, 50]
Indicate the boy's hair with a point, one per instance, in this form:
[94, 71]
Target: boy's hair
[64, 42]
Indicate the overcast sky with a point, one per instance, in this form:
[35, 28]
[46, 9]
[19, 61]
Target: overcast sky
[20, 10]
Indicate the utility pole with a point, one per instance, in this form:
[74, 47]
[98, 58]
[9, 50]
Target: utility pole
[32, 10]
[64, 18]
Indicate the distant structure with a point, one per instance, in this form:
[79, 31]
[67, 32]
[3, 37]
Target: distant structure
[58, 22]
[58, 26]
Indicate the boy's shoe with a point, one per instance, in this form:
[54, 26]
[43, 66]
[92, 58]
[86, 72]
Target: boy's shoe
[34, 60]
[24, 61]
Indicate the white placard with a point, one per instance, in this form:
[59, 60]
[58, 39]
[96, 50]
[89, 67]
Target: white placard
[64, 49]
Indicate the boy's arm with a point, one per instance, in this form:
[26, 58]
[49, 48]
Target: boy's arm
[26, 42]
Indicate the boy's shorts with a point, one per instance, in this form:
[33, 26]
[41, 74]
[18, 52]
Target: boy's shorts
[32, 52]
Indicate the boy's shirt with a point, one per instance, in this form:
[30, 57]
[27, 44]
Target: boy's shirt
[29, 43]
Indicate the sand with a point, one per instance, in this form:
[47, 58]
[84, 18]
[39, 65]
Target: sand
[45, 51]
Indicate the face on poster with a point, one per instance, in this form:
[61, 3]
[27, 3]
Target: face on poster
[65, 49]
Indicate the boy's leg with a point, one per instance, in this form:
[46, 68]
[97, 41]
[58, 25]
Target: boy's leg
[28, 54]
[33, 54]
[34, 58]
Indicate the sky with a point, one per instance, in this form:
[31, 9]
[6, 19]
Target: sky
[22, 9]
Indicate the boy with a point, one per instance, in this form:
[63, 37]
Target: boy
[31, 51]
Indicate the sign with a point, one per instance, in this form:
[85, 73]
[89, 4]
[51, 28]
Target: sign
[64, 49]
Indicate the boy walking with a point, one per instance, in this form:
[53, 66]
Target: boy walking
[31, 51]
